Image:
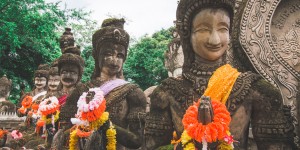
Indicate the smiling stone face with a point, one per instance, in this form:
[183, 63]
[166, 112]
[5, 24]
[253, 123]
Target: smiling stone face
[40, 82]
[210, 33]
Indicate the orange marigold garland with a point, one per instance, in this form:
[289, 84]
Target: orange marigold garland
[218, 129]
[26, 103]
[2, 133]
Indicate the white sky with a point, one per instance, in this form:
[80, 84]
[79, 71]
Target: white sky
[143, 16]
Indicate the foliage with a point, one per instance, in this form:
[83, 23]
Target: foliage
[89, 64]
[29, 32]
[145, 59]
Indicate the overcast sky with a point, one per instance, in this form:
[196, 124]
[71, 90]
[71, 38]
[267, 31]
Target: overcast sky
[144, 16]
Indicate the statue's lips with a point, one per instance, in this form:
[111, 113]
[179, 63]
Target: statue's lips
[39, 85]
[53, 86]
[214, 49]
[68, 80]
[114, 67]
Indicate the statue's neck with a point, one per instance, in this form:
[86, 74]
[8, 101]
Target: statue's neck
[204, 65]
[37, 91]
[105, 77]
[67, 90]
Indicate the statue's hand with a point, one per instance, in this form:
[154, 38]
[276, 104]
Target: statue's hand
[205, 111]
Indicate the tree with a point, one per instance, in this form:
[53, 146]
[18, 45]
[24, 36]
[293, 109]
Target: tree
[145, 60]
[29, 33]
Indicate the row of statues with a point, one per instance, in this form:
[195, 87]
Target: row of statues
[205, 104]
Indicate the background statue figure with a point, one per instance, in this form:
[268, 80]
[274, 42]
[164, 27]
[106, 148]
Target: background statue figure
[126, 102]
[204, 27]
[70, 68]
[5, 104]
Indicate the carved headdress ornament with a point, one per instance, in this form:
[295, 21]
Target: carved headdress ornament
[186, 11]
[66, 40]
[42, 71]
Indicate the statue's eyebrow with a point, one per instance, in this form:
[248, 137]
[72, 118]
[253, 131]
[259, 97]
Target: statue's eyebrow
[224, 24]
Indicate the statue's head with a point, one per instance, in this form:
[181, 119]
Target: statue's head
[70, 66]
[41, 76]
[66, 40]
[110, 45]
[5, 87]
[54, 78]
[204, 27]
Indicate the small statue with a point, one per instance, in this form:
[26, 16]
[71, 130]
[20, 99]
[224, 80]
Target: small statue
[5, 104]
[205, 111]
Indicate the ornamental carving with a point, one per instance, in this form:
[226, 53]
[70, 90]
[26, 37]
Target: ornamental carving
[270, 31]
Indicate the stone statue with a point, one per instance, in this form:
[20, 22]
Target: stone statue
[204, 27]
[38, 93]
[126, 102]
[5, 104]
[70, 67]
[30, 104]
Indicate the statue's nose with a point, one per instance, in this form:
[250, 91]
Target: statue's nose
[214, 38]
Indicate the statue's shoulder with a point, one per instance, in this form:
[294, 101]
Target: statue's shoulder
[242, 88]
[169, 90]
[256, 82]
[171, 84]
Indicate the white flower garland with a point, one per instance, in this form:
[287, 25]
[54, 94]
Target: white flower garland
[83, 106]
[45, 107]
[93, 104]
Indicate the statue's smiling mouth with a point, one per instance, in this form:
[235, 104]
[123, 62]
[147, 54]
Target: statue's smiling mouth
[39, 84]
[53, 86]
[214, 48]
[68, 80]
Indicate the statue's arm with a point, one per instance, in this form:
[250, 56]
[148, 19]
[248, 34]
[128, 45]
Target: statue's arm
[136, 100]
[158, 123]
[271, 120]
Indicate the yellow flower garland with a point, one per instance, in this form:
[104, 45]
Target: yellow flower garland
[99, 122]
[111, 138]
[49, 120]
[187, 141]
[73, 140]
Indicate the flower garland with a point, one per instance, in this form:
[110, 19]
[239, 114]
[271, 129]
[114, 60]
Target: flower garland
[16, 134]
[212, 132]
[2, 133]
[90, 116]
[49, 106]
[26, 103]
[111, 137]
